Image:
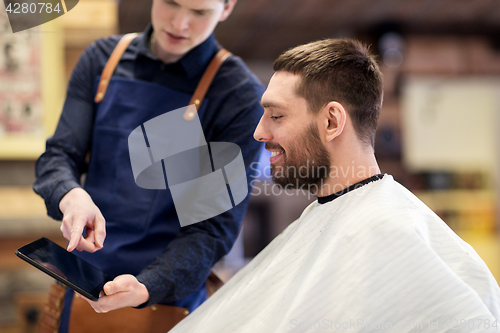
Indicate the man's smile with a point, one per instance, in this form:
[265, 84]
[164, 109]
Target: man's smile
[275, 155]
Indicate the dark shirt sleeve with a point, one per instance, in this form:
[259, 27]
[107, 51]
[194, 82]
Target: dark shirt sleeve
[60, 167]
[184, 266]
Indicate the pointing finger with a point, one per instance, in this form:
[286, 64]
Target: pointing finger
[76, 235]
[100, 230]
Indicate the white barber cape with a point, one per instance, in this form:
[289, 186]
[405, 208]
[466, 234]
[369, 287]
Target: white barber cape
[375, 259]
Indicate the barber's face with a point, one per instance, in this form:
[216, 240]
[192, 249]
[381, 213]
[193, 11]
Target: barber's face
[291, 134]
[181, 25]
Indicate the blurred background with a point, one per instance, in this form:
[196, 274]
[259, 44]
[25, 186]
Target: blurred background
[437, 133]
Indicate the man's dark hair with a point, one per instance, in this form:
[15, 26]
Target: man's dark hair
[341, 70]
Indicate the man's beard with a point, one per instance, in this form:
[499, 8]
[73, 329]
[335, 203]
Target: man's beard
[304, 164]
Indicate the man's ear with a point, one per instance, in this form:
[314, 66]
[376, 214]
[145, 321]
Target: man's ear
[228, 9]
[334, 118]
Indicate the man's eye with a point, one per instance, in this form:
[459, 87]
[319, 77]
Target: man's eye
[170, 2]
[276, 117]
[200, 12]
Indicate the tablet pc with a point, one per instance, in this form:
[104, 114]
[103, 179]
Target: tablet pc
[64, 266]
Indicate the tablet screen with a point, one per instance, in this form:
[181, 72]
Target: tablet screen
[65, 267]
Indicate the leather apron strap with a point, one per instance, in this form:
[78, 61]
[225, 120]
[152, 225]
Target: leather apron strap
[111, 65]
[199, 93]
[206, 80]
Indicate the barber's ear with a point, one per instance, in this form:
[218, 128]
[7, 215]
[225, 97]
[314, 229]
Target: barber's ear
[334, 119]
[228, 9]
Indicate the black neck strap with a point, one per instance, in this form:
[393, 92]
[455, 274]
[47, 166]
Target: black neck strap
[335, 195]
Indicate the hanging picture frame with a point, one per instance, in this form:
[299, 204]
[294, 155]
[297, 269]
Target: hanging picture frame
[31, 87]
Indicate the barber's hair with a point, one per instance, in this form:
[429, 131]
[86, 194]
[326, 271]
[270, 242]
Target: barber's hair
[341, 70]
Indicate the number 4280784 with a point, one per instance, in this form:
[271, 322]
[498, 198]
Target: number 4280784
[32, 8]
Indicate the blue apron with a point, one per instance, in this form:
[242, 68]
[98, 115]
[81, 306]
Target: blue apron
[140, 223]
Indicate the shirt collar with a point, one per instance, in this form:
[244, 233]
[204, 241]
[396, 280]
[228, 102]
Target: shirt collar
[193, 63]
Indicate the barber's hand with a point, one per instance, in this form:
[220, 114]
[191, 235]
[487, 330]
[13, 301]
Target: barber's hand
[79, 213]
[123, 291]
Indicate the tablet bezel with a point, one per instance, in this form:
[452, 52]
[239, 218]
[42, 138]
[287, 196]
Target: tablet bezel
[24, 252]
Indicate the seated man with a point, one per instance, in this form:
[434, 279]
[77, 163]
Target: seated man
[367, 256]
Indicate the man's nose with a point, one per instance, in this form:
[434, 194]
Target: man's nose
[180, 20]
[262, 133]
